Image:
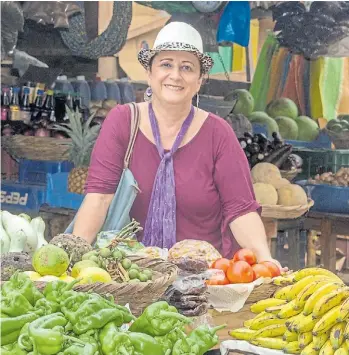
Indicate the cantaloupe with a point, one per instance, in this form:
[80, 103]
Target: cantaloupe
[278, 184]
[292, 195]
[266, 173]
[266, 194]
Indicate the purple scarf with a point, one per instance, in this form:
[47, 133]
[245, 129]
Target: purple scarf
[160, 226]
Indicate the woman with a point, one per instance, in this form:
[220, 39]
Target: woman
[194, 178]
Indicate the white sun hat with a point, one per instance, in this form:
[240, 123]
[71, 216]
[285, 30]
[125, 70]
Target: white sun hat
[177, 36]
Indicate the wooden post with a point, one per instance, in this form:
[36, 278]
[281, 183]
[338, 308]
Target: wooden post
[311, 249]
[328, 245]
[107, 68]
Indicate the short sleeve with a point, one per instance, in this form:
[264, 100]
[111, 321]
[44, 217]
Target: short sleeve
[232, 175]
[107, 157]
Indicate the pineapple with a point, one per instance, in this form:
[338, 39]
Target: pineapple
[83, 138]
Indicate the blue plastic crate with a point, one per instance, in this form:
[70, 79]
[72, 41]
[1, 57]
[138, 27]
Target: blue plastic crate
[24, 197]
[327, 198]
[35, 171]
[58, 195]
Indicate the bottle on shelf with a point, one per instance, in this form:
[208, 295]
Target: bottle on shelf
[15, 112]
[36, 108]
[25, 106]
[83, 90]
[98, 90]
[48, 108]
[5, 104]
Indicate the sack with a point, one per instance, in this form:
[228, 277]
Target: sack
[118, 215]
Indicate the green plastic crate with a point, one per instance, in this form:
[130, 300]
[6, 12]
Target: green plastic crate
[318, 161]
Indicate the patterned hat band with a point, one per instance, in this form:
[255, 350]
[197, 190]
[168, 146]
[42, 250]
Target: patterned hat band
[145, 55]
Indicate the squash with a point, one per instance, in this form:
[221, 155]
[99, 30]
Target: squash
[292, 195]
[265, 194]
[266, 173]
[240, 124]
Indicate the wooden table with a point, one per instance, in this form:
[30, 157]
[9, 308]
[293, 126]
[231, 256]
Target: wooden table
[329, 224]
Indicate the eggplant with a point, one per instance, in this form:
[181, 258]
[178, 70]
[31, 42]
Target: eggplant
[279, 156]
[243, 143]
[254, 160]
[297, 160]
[253, 148]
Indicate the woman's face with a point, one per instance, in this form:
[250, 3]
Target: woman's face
[175, 76]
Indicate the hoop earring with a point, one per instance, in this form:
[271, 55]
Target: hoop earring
[197, 100]
[148, 94]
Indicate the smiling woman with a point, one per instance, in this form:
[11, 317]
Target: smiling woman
[193, 175]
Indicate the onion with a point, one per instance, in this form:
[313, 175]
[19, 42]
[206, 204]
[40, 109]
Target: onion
[7, 131]
[59, 135]
[28, 132]
[42, 132]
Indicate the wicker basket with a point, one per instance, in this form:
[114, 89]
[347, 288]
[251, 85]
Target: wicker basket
[261, 292]
[290, 174]
[340, 140]
[137, 295]
[286, 212]
[36, 148]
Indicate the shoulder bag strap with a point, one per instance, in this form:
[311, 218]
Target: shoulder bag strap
[134, 130]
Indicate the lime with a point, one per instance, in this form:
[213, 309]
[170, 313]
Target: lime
[117, 254]
[89, 254]
[133, 274]
[94, 258]
[80, 265]
[126, 263]
[105, 252]
[134, 266]
[133, 281]
[142, 277]
[149, 273]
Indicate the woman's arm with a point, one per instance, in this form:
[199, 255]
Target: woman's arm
[91, 215]
[249, 232]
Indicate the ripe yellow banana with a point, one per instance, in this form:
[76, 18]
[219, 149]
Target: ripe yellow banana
[283, 280]
[304, 339]
[270, 343]
[299, 285]
[305, 324]
[274, 310]
[344, 311]
[242, 334]
[263, 322]
[327, 321]
[346, 333]
[288, 310]
[307, 291]
[292, 348]
[293, 321]
[343, 350]
[337, 335]
[290, 336]
[329, 301]
[260, 306]
[282, 292]
[318, 294]
[271, 331]
[320, 340]
[309, 350]
[327, 349]
[312, 271]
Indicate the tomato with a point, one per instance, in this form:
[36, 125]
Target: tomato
[218, 282]
[221, 264]
[212, 282]
[273, 268]
[260, 270]
[240, 272]
[245, 255]
[225, 281]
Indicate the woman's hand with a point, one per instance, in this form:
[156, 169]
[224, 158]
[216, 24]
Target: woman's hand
[277, 263]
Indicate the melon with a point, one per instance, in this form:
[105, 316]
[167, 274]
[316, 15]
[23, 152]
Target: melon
[282, 107]
[292, 195]
[245, 101]
[266, 173]
[263, 119]
[278, 184]
[308, 129]
[266, 194]
[288, 128]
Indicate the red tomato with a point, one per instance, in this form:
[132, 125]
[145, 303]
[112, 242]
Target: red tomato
[224, 282]
[211, 282]
[221, 264]
[260, 270]
[240, 272]
[273, 268]
[245, 255]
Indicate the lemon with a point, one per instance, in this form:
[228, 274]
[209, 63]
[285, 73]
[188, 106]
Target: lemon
[66, 278]
[34, 276]
[80, 265]
[94, 274]
[48, 278]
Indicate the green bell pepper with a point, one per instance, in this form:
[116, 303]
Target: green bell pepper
[45, 307]
[205, 337]
[91, 337]
[20, 282]
[46, 334]
[56, 291]
[78, 349]
[24, 341]
[11, 327]
[15, 304]
[158, 319]
[168, 341]
[145, 344]
[185, 346]
[12, 349]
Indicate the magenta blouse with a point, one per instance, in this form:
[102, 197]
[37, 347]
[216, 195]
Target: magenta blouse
[213, 181]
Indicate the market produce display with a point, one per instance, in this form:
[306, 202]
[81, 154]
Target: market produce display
[242, 268]
[65, 322]
[271, 189]
[307, 316]
[339, 125]
[340, 178]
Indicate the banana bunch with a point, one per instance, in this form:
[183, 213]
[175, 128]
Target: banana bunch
[309, 315]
